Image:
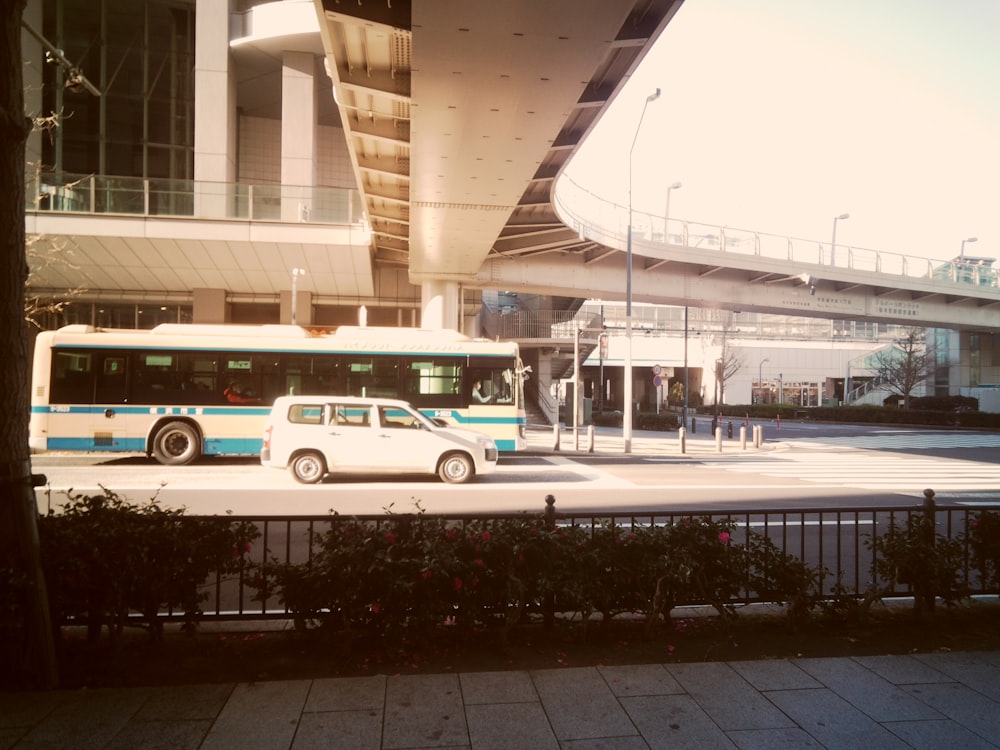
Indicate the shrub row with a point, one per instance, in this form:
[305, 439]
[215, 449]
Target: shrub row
[406, 576]
[401, 576]
[104, 558]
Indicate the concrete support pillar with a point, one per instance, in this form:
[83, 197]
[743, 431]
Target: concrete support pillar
[210, 306]
[439, 304]
[214, 108]
[298, 134]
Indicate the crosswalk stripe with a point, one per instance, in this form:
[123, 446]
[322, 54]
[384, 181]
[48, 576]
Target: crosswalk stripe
[900, 440]
[870, 471]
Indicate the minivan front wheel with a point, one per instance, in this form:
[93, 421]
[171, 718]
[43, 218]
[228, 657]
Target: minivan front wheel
[308, 467]
[456, 468]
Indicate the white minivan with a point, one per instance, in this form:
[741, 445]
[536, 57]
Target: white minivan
[316, 435]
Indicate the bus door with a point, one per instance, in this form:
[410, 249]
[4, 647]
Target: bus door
[109, 418]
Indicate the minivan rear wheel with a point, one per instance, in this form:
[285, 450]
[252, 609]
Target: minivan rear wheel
[456, 468]
[308, 467]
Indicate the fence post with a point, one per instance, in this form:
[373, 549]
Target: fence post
[923, 589]
[555, 437]
[549, 604]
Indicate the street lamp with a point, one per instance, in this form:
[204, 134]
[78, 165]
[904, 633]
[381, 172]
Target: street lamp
[961, 256]
[666, 210]
[760, 378]
[296, 272]
[833, 242]
[627, 414]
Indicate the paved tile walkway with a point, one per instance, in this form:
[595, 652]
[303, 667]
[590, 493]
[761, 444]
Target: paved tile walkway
[927, 701]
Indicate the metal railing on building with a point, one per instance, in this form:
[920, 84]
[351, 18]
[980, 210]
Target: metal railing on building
[135, 196]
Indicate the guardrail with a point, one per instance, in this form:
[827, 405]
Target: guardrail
[833, 539]
[606, 222]
[135, 196]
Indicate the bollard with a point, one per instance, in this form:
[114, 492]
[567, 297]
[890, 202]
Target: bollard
[694, 427]
[590, 438]
[760, 436]
[743, 437]
[718, 439]
[555, 437]
[682, 439]
[729, 431]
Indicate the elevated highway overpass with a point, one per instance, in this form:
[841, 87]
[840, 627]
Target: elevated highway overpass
[463, 118]
[721, 267]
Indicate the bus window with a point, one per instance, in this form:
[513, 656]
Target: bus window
[72, 377]
[300, 375]
[241, 381]
[495, 386]
[111, 381]
[372, 376]
[431, 382]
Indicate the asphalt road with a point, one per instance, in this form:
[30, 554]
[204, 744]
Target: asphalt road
[803, 465]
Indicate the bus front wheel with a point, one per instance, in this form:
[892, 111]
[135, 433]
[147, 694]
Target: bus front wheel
[176, 444]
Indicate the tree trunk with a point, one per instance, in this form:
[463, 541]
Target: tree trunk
[29, 654]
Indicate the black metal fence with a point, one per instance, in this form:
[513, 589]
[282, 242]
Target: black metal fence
[832, 540]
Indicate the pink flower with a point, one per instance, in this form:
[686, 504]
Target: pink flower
[478, 562]
[486, 536]
[376, 608]
[427, 575]
[457, 583]
[390, 537]
[724, 537]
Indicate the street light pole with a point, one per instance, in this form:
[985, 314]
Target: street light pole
[685, 414]
[627, 412]
[666, 210]
[833, 242]
[760, 378]
[961, 256]
[296, 272]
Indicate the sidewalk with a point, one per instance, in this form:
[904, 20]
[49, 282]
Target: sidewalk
[933, 701]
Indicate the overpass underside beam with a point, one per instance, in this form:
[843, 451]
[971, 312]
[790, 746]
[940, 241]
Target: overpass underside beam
[678, 283]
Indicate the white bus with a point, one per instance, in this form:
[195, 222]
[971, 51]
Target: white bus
[177, 392]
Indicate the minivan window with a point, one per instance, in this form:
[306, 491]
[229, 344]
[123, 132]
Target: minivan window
[305, 414]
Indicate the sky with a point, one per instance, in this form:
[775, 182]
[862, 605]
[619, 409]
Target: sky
[778, 115]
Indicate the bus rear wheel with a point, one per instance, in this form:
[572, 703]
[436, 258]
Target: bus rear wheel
[176, 444]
